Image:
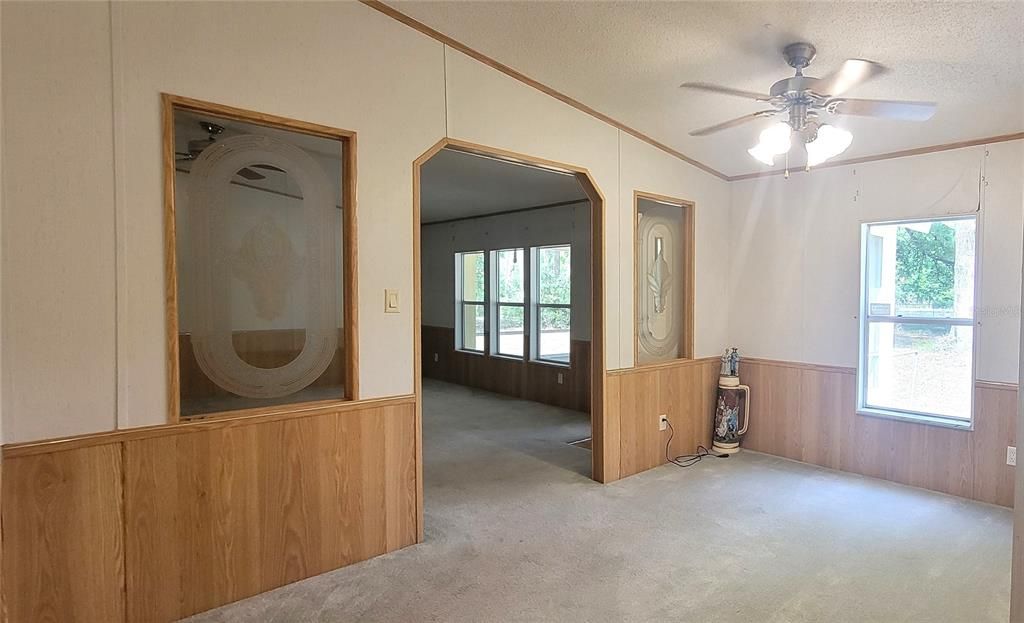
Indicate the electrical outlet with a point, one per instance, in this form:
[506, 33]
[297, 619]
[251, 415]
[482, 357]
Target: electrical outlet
[1011, 455]
[435, 357]
[559, 378]
[662, 422]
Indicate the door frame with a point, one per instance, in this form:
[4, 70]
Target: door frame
[601, 446]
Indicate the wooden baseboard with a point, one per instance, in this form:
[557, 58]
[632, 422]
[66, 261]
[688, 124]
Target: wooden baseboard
[242, 418]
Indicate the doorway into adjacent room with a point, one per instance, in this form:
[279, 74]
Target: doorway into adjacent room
[507, 318]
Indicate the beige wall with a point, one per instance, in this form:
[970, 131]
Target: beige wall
[83, 332]
[795, 284]
[58, 333]
[642, 169]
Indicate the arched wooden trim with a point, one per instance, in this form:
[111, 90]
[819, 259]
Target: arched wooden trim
[604, 463]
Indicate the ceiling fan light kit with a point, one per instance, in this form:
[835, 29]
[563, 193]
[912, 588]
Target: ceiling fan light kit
[804, 99]
[829, 143]
[774, 141]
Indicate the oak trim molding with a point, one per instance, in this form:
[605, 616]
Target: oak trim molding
[602, 451]
[60, 444]
[978, 383]
[663, 365]
[350, 269]
[800, 365]
[417, 25]
[995, 385]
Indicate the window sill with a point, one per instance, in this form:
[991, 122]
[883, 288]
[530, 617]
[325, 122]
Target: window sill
[517, 358]
[912, 418]
[470, 352]
[553, 364]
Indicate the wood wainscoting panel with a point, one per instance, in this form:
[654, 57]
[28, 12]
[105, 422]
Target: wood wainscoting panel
[214, 516]
[808, 413]
[63, 536]
[512, 377]
[636, 397]
[154, 524]
[995, 427]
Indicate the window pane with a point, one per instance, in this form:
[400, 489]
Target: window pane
[260, 259]
[553, 275]
[553, 342]
[923, 269]
[510, 330]
[510, 276]
[473, 277]
[920, 367]
[473, 326]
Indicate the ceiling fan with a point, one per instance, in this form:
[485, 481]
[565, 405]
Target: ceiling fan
[196, 147]
[804, 98]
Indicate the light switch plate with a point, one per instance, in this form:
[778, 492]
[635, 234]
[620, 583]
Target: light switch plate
[390, 301]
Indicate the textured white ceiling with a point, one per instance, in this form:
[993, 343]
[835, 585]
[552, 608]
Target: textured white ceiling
[455, 184]
[626, 59]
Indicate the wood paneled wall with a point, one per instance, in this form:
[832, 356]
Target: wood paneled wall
[532, 381]
[62, 536]
[807, 413]
[157, 524]
[635, 398]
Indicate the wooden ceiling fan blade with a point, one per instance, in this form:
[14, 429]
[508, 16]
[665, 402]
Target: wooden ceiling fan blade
[714, 88]
[249, 174]
[889, 109]
[852, 72]
[732, 123]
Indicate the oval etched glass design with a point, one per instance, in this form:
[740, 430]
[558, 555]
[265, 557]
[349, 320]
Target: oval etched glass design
[268, 295]
[659, 312]
[258, 219]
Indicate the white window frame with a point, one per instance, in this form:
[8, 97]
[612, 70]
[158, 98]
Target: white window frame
[536, 306]
[460, 304]
[497, 304]
[866, 319]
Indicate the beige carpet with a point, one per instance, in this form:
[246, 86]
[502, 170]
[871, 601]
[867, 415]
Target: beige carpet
[516, 532]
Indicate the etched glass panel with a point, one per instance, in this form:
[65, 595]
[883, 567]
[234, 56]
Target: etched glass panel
[258, 235]
[660, 281]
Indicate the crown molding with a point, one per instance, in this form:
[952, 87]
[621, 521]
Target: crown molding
[543, 88]
[917, 151]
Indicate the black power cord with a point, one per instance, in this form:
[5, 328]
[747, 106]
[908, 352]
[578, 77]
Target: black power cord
[687, 460]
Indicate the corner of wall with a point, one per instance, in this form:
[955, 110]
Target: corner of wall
[3, 186]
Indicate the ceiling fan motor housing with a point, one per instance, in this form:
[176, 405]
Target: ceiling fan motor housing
[799, 55]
